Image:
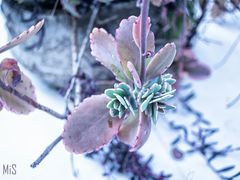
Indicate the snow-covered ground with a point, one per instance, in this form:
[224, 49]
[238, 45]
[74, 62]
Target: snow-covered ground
[23, 138]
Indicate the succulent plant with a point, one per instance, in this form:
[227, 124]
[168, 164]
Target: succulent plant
[128, 109]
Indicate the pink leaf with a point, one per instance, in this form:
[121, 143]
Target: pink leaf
[150, 35]
[134, 73]
[90, 126]
[20, 82]
[126, 47]
[135, 130]
[103, 48]
[161, 61]
[22, 37]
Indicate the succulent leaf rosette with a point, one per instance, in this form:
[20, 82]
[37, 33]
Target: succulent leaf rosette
[129, 108]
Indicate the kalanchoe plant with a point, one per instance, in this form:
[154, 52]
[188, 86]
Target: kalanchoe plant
[128, 109]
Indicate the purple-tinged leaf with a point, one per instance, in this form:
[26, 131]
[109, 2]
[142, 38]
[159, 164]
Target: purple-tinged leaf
[22, 37]
[70, 7]
[161, 61]
[135, 130]
[196, 70]
[90, 126]
[134, 73]
[126, 47]
[21, 83]
[10, 72]
[103, 47]
[150, 35]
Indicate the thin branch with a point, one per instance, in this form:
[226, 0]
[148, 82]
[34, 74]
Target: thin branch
[46, 152]
[193, 31]
[234, 101]
[229, 52]
[75, 59]
[143, 39]
[82, 49]
[31, 101]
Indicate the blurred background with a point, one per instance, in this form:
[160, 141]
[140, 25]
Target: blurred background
[198, 140]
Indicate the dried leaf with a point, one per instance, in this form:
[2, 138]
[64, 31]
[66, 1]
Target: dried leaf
[126, 47]
[161, 61]
[90, 126]
[22, 37]
[103, 48]
[135, 130]
[23, 86]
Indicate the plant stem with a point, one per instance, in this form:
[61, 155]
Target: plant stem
[31, 101]
[46, 152]
[143, 38]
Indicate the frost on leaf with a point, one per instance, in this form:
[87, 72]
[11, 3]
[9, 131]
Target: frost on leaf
[11, 75]
[90, 126]
[103, 48]
[161, 61]
[135, 130]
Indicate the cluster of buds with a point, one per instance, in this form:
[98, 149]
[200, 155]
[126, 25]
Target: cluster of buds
[153, 96]
[121, 99]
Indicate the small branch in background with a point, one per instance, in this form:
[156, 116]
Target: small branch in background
[31, 101]
[82, 48]
[193, 31]
[75, 52]
[229, 52]
[117, 158]
[198, 137]
[143, 38]
[46, 152]
[234, 101]
[55, 7]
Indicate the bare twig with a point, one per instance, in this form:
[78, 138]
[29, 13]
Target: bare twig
[46, 152]
[143, 39]
[31, 101]
[198, 22]
[229, 52]
[234, 101]
[75, 59]
[82, 49]
[54, 7]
